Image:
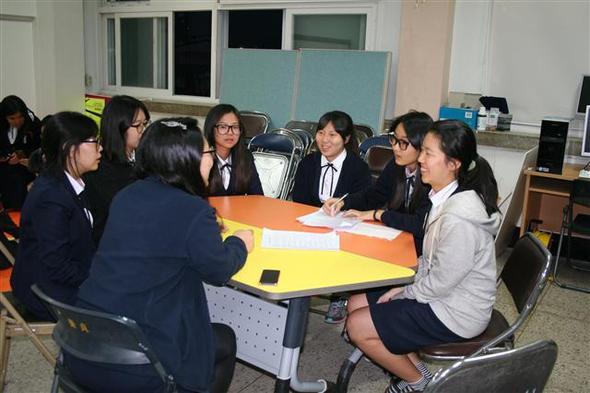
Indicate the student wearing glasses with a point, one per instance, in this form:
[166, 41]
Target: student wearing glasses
[124, 120]
[56, 247]
[234, 172]
[399, 199]
[335, 169]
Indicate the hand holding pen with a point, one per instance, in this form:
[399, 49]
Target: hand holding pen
[333, 205]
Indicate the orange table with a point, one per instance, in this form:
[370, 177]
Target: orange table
[362, 263]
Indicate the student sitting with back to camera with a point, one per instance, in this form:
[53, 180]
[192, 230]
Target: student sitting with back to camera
[234, 172]
[399, 199]
[161, 242]
[454, 290]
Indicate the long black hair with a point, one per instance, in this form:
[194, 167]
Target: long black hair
[12, 105]
[457, 141]
[171, 150]
[344, 126]
[416, 124]
[63, 131]
[242, 163]
[117, 118]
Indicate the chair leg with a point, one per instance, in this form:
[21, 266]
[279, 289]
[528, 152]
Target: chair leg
[565, 224]
[4, 349]
[347, 369]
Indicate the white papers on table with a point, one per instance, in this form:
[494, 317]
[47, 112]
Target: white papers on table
[321, 219]
[380, 231]
[300, 240]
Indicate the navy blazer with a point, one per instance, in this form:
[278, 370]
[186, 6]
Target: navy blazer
[159, 245]
[101, 186]
[254, 187]
[355, 177]
[55, 247]
[378, 196]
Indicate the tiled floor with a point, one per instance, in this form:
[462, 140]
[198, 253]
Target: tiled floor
[561, 315]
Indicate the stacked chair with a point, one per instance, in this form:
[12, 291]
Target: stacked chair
[377, 152]
[276, 155]
[255, 123]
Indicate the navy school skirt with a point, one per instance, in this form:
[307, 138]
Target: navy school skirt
[405, 325]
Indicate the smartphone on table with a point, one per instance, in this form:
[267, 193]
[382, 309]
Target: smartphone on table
[269, 277]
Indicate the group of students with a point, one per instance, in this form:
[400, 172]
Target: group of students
[118, 221]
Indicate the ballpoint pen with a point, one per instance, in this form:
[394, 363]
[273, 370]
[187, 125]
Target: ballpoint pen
[338, 201]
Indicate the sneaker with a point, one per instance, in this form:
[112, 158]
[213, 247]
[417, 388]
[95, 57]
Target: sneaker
[336, 311]
[401, 386]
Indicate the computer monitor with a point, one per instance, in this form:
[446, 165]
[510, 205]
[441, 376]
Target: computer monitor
[584, 100]
[586, 138]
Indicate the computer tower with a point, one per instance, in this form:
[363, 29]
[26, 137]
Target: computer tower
[552, 143]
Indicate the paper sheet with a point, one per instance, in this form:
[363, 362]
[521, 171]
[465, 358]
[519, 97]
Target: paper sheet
[321, 219]
[300, 240]
[372, 230]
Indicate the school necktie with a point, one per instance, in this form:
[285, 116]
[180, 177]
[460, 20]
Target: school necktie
[408, 190]
[225, 171]
[328, 166]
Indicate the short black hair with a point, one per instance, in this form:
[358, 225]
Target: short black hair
[171, 150]
[416, 124]
[63, 131]
[343, 125]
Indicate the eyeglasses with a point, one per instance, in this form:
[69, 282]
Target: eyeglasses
[95, 141]
[140, 126]
[223, 128]
[394, 140]
[210, 151]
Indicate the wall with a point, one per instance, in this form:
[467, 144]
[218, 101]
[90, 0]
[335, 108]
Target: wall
[531, 52]
[51, 75]
[424, 56]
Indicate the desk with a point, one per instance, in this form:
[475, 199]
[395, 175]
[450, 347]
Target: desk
[545, 196]
[361, 263]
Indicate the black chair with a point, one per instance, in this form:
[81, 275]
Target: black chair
[98, 337]
[525, 275]
[525, 369]
[255, 123]
[363, 132]
[579, 195]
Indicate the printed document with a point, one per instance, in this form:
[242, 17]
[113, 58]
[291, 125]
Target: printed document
[300, 240]
[321, 219]
[372, 230]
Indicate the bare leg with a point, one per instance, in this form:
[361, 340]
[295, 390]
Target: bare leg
[357, 301]
[363, 334]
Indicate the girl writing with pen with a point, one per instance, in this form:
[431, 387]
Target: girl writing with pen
[332, 172]
[399, 199]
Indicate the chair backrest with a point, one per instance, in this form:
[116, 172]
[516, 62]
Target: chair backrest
[377, 158]
[309, 126]
[255, 123]
[381, 140]
[580, 193]
[100, 337]
[363, 132]
[524, 369]
[305, 136]
[272, 169]
[525, 274]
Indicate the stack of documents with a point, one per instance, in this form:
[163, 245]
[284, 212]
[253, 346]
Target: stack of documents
[300, 240]
[321, 219]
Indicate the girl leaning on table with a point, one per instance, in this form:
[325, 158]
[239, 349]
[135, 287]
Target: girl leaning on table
[454, 289]
[398, 198]
[161, 242]
[234, 172]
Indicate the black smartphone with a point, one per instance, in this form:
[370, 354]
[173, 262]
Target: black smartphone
[269, 277]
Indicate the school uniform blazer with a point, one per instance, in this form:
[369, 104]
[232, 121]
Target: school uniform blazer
[159, 245]
[355, 177]
[101, 187]
[378, 195]
[254, 187]
[55, 248]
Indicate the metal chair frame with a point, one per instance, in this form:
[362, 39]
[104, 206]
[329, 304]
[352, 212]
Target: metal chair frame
[254, 116]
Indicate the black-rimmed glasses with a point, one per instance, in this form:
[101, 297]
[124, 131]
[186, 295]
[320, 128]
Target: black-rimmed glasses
[394, 140]
[95, 141]
[141, 125]
[223, 128]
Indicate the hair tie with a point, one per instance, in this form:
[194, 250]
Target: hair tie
[174, 124]
[473, 164]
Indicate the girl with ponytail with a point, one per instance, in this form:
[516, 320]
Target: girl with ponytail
[454, 289]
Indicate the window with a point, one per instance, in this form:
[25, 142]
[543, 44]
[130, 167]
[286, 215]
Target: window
[192, 53]
[345, 31]
[260, 29]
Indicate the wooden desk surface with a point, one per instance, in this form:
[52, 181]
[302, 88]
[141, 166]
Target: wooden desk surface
[306, 273]
[570, 172]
